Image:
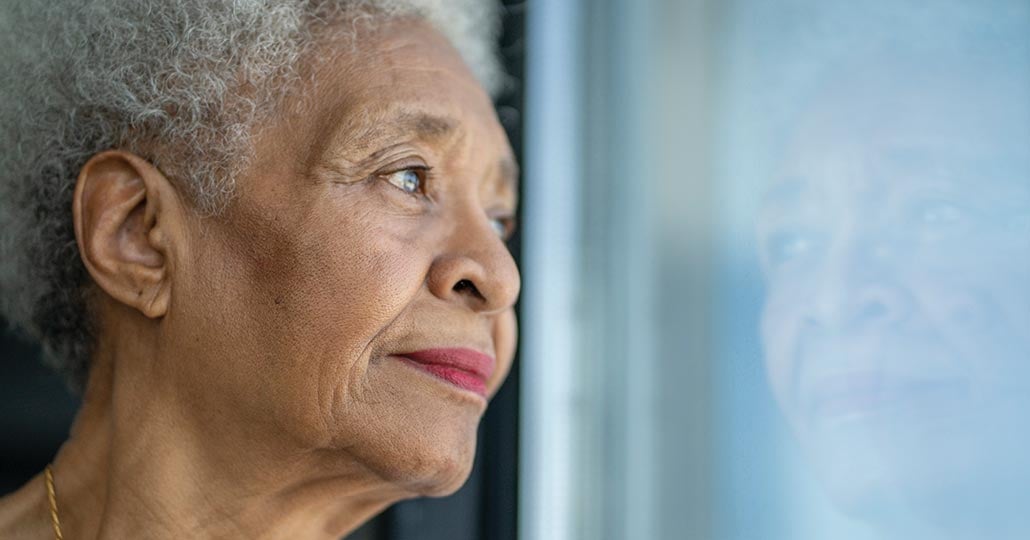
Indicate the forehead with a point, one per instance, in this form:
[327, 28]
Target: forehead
[885, 126]
[882, 100]
[399, 79]
[400, 61]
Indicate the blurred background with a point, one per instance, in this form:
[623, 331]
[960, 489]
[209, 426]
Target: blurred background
[775, 259]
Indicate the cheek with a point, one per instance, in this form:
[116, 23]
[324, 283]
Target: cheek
[982, 320]
[304, 306]
[780, 327]
[505, 335]
[340, 292]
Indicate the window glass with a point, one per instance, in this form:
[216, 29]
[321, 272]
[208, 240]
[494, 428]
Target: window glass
[798, 280]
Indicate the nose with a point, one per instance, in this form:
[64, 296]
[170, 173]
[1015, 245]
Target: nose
[861, 286]
[475, 269]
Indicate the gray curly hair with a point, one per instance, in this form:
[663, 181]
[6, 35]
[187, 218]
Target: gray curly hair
[160, 78]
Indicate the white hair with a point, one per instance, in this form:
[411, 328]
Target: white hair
[160, 78]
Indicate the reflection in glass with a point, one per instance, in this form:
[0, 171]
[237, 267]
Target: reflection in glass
[895, 243]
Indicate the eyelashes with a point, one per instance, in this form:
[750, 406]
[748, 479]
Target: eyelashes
[413, 180]
[504, 226]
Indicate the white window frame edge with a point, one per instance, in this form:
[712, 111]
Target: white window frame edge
[551, 219]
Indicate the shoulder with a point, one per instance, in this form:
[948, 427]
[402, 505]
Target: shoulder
[23, 513]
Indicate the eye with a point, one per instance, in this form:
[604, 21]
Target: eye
[409, 180]
[939, 213]
[504, 226]
[786, 246]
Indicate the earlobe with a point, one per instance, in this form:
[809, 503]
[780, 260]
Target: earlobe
[120, 217]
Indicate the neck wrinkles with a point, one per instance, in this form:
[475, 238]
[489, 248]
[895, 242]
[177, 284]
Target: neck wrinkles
[137, 465]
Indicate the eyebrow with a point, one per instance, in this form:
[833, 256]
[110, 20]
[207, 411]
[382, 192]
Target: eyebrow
[431, 126]
[364, 130]
[784, 192]
[425, 125]
[509, 170]
[421, 125]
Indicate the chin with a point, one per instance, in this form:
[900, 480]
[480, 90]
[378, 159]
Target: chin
[438, 470]
[861, 494]
[882, 480]
[425, 453]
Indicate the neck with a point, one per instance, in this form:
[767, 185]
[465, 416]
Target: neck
[138, 465]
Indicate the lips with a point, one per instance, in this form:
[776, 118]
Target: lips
[465, 368]
[868, 393]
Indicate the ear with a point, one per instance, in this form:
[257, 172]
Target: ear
[125, 211]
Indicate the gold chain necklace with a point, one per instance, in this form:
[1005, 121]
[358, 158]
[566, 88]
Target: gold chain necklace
[53, 503]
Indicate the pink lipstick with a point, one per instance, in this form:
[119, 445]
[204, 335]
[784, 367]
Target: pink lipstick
[464, 368]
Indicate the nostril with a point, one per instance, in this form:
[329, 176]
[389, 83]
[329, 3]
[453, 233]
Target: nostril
[467, 286]
[873, 311]
[883, 304]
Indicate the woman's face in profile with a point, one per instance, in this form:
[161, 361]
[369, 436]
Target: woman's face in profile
[371, 224]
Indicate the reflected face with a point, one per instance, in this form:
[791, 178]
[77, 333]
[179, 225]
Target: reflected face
[371, 226]
[896, 247]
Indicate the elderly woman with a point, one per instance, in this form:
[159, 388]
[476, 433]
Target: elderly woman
[266, 239]
[895, 247]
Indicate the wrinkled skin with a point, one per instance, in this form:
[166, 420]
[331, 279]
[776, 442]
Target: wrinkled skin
[244, 383]
[896, 245]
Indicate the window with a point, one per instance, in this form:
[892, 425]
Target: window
[775, 264]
